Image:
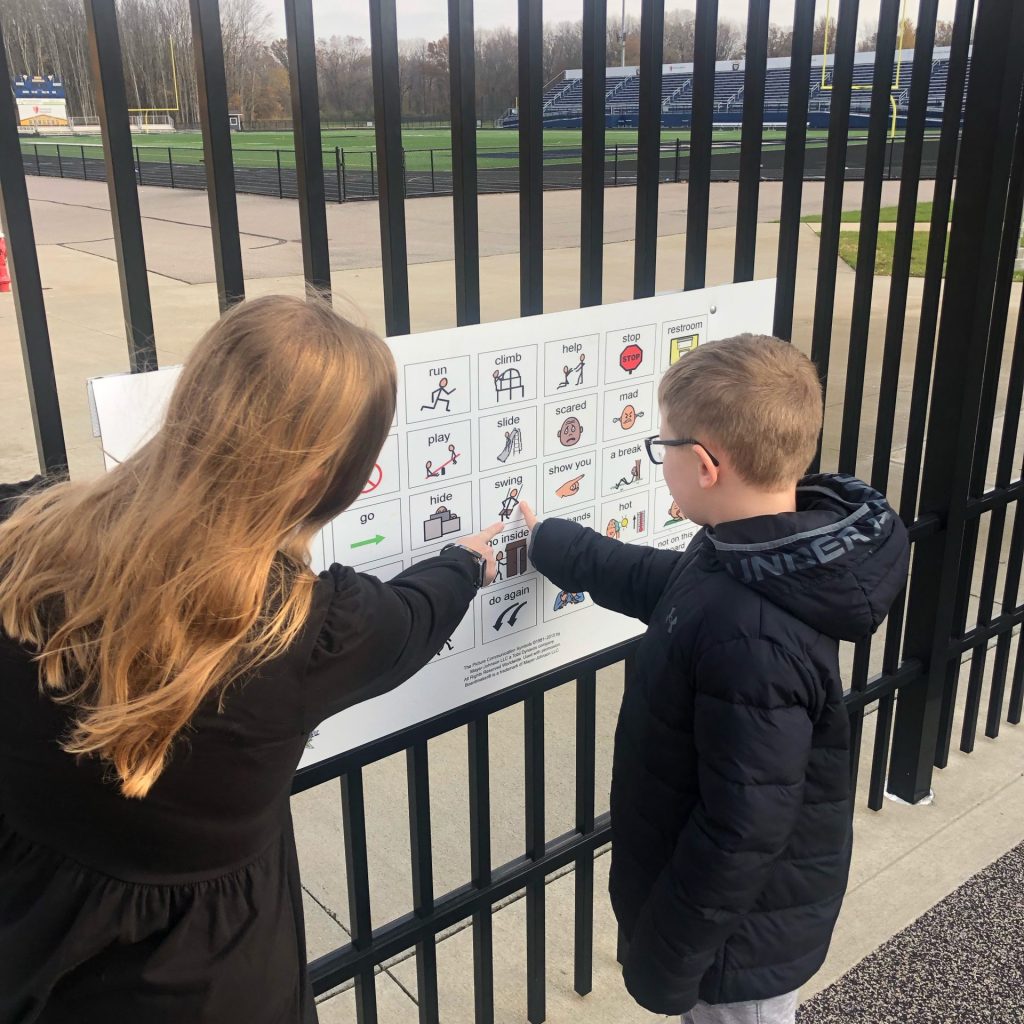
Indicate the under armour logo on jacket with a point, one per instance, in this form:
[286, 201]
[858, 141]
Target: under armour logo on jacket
[671, 620]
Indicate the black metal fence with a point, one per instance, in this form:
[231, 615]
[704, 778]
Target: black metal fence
[961, 481]
[353, 174]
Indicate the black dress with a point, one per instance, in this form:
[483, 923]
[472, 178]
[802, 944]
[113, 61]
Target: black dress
[185, 906]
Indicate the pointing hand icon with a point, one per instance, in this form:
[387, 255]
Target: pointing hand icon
[570, 487]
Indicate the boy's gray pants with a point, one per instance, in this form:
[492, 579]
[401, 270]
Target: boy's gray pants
[778, 1010]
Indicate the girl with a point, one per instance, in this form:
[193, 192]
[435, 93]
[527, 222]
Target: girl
[165, 650]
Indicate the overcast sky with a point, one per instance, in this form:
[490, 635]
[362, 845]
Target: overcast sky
[428, 19]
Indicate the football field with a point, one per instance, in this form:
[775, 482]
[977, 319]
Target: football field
[425, 149]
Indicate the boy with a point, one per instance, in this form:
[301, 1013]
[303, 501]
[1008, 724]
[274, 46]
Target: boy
[731, 802]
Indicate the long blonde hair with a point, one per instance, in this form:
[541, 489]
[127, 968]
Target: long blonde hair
[145, 590]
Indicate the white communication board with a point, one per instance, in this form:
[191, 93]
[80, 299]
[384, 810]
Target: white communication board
[552, 410]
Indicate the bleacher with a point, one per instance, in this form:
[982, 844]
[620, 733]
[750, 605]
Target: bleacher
[563, 98]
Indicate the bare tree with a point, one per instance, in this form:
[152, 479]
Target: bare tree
[824, 32]
[943, 33]
[679, 37]
[497, 71]
[780, 41]
[730, 42]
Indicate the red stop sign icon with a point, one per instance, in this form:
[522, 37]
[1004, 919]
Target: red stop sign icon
[632, 356]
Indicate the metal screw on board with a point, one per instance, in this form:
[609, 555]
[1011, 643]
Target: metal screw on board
[712, 309]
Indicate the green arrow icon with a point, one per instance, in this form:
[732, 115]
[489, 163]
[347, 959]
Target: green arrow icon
[363, 543]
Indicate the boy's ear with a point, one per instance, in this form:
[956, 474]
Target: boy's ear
[707, 470]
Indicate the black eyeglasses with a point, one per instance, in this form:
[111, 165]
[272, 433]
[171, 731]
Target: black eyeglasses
[657, 456]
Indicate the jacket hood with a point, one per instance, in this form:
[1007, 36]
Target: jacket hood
[837, 563]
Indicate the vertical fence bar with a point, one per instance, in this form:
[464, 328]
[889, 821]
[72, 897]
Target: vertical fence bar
[982, 426]
[997, 518]
[218, 158]
[138, 165]
[750, 140]
[906, 218]
[648, 147]
[85, 174]
[418, 775]
[309, 160]
[480, 867]
[29, 307]
[35, 147]
[357, 876]
[170, 165]
[60, 164]
[531, 157]
[280, 183]
[536, 956]
[344, 178]
[698, 193]
[793, 167]
[880, 752]
[462, 81]
[945, 171]
[835, 176]
[592, 196]
[433, 183]
[871, 204]
[337, 172]
[1013, 714]
[387, 121]
[1011, 586]
[112, 106]
[586, 758]
[373, 178]
[990, 121]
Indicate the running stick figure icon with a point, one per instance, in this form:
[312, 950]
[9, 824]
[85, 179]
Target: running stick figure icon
[438, 395]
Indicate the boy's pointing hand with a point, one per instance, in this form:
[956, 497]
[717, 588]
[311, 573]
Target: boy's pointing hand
[529, 515]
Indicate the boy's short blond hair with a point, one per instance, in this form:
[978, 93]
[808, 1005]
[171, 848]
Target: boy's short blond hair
[758, 398]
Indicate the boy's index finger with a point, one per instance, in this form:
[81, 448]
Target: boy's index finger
[494, 529]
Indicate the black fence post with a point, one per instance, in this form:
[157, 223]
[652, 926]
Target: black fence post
[531, 160]
[593, 156]
[990, 123]
[793, 167]
[60, 164]
[373, 180]
[138, 165]
[698, 172]
[433, 183]
[27, 285]
[106, 64]
[309, 155]
[170, 165]
[35, 147]
[337, 170]
[344, 181]
[616, 163]
[85, 173]
[648, 147]
[675, 174]
[280, 187]
[751, 139]
[387, 124]
[462, 104]
[218, 150]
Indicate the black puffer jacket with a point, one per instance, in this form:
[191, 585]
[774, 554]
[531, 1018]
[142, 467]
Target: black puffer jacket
[730, 800]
